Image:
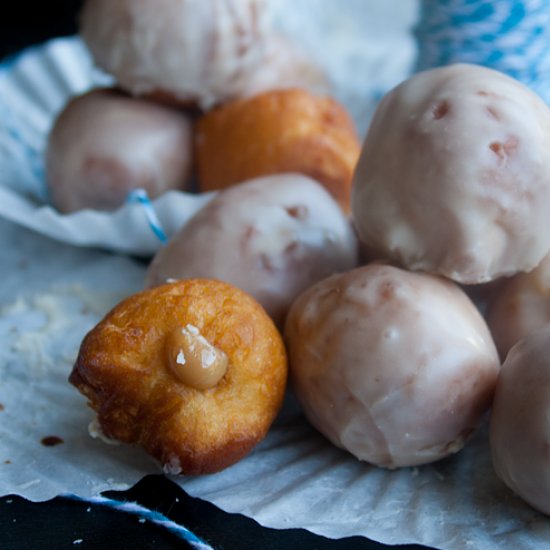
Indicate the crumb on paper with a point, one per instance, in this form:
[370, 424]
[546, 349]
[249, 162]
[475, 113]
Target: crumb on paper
[51, 314]
[172, 467]
[94, 302]
[95, 431]
[32, 345]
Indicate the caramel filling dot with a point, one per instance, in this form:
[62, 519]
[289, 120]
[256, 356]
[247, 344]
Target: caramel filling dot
[194, 360]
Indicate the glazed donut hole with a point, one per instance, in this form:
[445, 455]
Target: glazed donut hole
[393, 363]
[397, 368]
[520, 306]
[194, 372]
[278, 131]
[454, 175]
[272, 237]
[520, 426]
[105, 144]
[207, 52]
[286, 66]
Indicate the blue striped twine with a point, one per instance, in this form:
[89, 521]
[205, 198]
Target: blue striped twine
[140, 196]
[145, 513]
[511, 36]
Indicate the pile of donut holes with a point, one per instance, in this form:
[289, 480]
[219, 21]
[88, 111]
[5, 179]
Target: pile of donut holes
[391, 360]
[207, 95]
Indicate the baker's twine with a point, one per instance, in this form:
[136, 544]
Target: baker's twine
[148, 515]
[511, 36]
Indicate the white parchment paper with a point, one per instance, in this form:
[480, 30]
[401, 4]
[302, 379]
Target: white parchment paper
[52, 292]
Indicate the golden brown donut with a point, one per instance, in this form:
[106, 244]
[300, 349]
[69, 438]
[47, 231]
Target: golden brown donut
[133, 368]
[274, 132]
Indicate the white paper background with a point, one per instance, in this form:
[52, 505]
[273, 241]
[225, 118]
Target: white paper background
[52, 293]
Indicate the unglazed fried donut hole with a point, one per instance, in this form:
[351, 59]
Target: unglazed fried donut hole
[274, 132]
[105, 144]
[396, 367]
[192, 371]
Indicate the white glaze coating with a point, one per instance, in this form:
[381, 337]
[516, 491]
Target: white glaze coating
[104, 144]
[272, 236]
[200, 51]
[454, 177]
[286, 66]
[395, 367]
[520, 423]
[519, 306]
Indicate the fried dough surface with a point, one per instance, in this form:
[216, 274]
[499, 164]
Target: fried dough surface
[123, 369]
[275, 132]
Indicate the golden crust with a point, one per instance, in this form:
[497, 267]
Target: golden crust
[274, 132]
[122, 369]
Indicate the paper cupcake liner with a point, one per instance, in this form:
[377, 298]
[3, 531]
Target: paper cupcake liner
[33, 88]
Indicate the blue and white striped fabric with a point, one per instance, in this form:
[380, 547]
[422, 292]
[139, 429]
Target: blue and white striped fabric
[512, 36]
